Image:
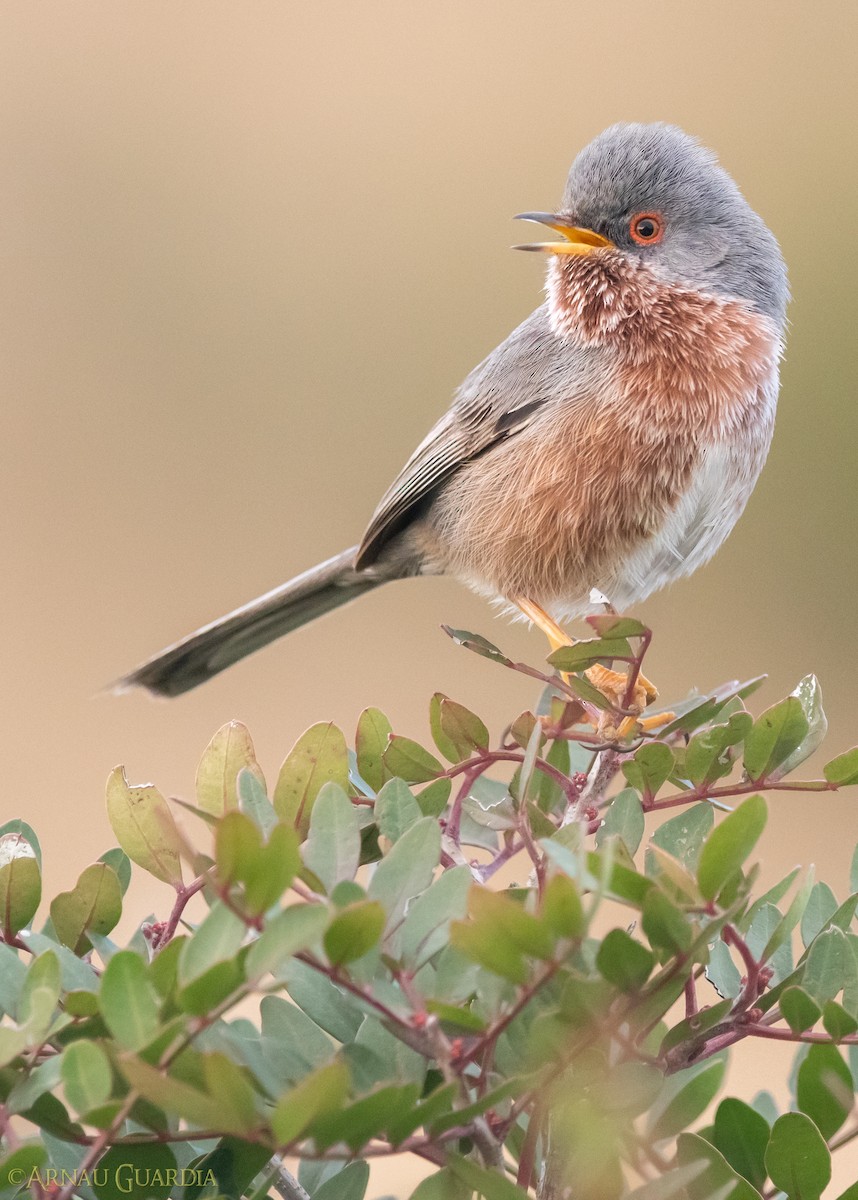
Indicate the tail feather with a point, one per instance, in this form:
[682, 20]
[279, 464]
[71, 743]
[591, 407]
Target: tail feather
[216, 646]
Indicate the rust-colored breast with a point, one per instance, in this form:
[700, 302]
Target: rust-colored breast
[590, 486]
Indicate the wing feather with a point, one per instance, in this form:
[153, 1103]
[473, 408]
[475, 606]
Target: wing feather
[495, 402]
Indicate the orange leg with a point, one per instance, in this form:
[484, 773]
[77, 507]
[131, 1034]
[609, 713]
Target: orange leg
[612, 684]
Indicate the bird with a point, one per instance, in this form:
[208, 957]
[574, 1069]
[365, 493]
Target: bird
[611, 442]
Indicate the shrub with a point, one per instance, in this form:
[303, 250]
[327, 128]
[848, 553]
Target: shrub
[359, 984]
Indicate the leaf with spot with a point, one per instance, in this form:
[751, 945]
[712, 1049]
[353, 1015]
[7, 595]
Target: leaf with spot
[20, 883]
[318, 757]
[228, 753]
[456, 731]
[373, 730]
[144, 827]
[93, 905]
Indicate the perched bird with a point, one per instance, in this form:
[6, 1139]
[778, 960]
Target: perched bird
[610, 442]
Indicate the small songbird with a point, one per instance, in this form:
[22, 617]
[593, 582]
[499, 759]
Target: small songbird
[610, 443]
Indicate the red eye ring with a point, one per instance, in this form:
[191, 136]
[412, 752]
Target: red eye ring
[646, 228]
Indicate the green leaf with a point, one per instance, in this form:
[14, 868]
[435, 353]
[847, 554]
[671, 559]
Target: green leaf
[624, 819]
[272, 869]
[843, 770]
[294, 929]
[86, 1075]
[443, 1185]
[12, 976]
[708, 756]
[609, 625]
[292, 1043]
[623, 961]
[426, 928]
[119, 862]
[349, 1184]
[837, 1021]
[192, 1101]
[477, 644]
[122, 1166]
[215, 940]
[650, 768]
[718, 1181]
[500, 957]
[40, 993]
[253, 801]
[432, 800]
[791, 918]
[16, 825]
[29, 1159]
[821, 907]
[354, 931]
[742, 1135]
[722, 972]
[238, 840]
[824, 1088]
[702, 711]
[408, 760]
[366, 1118]
[332, 1009]
[830, 965]
[456, 731]
[20, 884]
[562, 911]
[797, 1159]
[684, 1097]
[585, 653]
[800, 1011]
[729, 844]
[332, 851]
[144, 827]
[373, 730]
[318, 757]
[407, 870]
[229, 752]
[396, 810]
[499, 916]
[683, 835]
[775, 736]
[809, 695]
[128, 1001]
[492, 1185]
[666, 926]
[94, 904]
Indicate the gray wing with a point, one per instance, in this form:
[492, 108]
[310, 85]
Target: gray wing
[496, 400]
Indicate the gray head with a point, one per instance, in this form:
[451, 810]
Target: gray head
[658, 195]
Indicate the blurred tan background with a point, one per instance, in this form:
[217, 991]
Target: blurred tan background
[246, 253]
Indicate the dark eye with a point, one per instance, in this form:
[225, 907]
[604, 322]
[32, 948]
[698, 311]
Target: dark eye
[646, 228]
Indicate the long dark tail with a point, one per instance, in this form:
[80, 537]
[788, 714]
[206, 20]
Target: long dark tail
[217, 646]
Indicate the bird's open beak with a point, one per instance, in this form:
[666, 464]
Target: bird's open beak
[575, 239]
